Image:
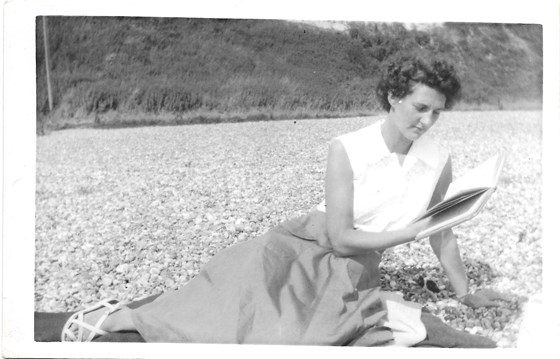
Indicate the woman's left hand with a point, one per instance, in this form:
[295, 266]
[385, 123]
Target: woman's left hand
[483, 298]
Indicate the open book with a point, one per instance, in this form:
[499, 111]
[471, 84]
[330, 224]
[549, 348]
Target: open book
[464, 198]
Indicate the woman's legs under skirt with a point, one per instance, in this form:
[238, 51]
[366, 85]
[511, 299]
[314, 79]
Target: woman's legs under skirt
[48, 327]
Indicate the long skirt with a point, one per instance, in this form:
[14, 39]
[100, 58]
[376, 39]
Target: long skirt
[289, 287]
[285, 287]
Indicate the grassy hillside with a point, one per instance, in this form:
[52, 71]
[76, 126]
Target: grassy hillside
[115, 70]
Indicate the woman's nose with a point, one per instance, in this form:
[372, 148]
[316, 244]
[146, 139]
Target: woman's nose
[428, 119]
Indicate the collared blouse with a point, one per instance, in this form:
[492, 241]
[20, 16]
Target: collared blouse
[387, 194]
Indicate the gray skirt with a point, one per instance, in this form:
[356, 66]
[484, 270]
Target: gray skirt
[284, 287]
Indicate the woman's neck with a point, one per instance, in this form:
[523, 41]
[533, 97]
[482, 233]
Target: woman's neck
[393, 138]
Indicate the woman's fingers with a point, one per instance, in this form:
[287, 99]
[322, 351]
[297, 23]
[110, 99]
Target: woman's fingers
[478, 301]
[419, 226]
[491, 303]
[492, 295]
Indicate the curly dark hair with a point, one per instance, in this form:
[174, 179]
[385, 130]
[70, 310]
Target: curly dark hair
[402, 74]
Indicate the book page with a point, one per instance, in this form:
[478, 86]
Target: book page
[483, 176]
[452, 201]
[475, 182]
[457, 214]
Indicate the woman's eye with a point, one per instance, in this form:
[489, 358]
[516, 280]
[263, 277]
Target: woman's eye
[421, 108]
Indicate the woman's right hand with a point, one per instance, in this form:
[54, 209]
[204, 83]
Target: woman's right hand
[417, 227]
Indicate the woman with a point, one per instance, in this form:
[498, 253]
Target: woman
[315, 279]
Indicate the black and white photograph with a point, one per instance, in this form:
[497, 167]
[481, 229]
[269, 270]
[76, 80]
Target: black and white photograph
[251, 178]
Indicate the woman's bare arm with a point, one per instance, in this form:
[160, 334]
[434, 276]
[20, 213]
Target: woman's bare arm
[339, 197]
[444, 244]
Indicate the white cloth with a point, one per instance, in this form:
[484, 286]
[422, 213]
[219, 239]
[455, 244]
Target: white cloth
[404, 319]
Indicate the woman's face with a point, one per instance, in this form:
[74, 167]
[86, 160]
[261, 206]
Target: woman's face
[415, 113]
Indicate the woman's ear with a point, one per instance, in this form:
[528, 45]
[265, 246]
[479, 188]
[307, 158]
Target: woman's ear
[392, 100]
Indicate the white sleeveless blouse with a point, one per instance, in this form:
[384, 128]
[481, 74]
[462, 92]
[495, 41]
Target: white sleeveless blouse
[388, 195]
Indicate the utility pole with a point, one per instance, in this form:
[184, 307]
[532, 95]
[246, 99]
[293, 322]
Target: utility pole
[45, 37]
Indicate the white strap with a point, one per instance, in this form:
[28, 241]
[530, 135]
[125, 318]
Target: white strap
[77, 319]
